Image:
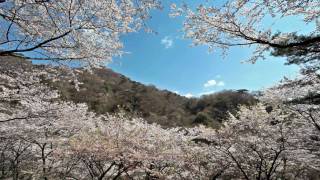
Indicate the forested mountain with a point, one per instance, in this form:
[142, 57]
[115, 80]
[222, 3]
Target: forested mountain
[106, 91]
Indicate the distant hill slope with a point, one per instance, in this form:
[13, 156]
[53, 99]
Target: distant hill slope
[106, 92]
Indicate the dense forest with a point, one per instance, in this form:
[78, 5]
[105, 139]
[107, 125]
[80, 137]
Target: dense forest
[106, 91]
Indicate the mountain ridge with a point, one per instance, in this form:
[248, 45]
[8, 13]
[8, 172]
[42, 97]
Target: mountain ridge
[105, 91]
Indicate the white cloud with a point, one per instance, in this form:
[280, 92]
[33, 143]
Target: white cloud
[220, 83]
[189, 95]
[167, 42]
[206, 93]
[212, 83]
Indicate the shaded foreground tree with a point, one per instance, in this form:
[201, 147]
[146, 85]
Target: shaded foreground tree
[243, 23]
[66, 30]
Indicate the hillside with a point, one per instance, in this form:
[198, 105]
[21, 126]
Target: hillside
[108, 92]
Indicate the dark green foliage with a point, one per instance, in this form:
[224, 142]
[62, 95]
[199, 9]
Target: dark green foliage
[216, 106]
[300, 50]
[202, 118]
[311, 98]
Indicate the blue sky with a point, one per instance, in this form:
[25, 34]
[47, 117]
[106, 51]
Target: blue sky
[168, 62]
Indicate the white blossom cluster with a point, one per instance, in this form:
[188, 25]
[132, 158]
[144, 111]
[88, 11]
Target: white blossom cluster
[249, 23]
[288, 90]
[62, 30]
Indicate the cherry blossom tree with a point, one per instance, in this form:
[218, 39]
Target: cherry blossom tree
[66, 30]
[265, 145]
[34, 123]
[256, 144]
[243, 23]
[303, 89]
[118, 146]
[300, 96]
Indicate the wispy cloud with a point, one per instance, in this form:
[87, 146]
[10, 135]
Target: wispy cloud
[213, 83]
[167, 42]
[210, 83]
[206, 93]
[220, 83]
[189, 95]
